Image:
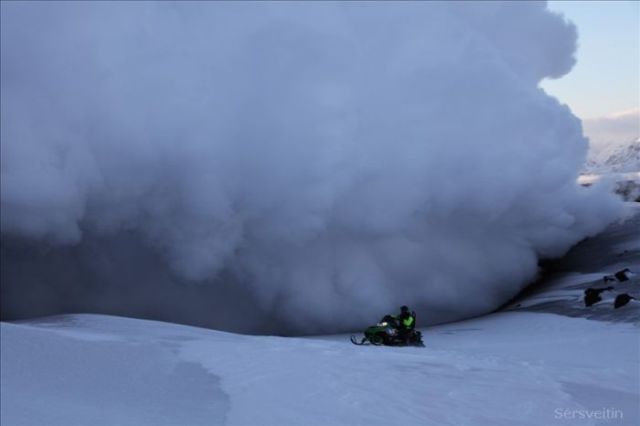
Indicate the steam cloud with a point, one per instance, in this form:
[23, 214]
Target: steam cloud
[336, 160]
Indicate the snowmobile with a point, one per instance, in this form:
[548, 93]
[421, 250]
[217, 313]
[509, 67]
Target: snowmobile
[386, 332]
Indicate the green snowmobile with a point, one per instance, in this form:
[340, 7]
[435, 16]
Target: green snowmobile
[387, 332]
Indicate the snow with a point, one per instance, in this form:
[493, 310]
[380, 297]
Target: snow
[615, 163]
[584, 267]
[615, 157]
[546, 360]
[513, 368]
[57, 373]
[591, 178]
[301, 159]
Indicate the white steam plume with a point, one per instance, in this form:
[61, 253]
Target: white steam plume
[338, 158]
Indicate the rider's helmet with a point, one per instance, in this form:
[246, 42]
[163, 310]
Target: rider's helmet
[404, 309]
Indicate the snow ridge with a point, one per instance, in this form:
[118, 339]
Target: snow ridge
[615, 158]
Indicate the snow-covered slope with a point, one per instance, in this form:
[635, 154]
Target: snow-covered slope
[526, 366]
[504, 369]
[619, 163]
[615, 158]
[586, 266]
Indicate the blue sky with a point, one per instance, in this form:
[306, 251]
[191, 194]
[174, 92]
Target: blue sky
[606, 77]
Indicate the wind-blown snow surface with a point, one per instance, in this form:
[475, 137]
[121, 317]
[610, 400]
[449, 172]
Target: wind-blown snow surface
[329, 157]
[506, 369]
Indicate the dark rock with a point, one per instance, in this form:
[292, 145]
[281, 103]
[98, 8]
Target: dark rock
[592, 295]
[622, 275]
[621, 300]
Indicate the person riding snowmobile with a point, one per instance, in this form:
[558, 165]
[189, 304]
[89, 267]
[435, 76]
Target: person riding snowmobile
[393, 331]
[406, 323]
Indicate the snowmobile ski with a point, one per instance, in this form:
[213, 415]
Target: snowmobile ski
[355, 342]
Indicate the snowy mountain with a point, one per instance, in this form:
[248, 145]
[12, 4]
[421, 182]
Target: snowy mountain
[615, 158]
[617, 162]
[547, 360]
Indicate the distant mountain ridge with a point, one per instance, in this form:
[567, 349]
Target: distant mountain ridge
[617, 158]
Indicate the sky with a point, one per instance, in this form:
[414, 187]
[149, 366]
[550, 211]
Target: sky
[603, 89]
[605, 78]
